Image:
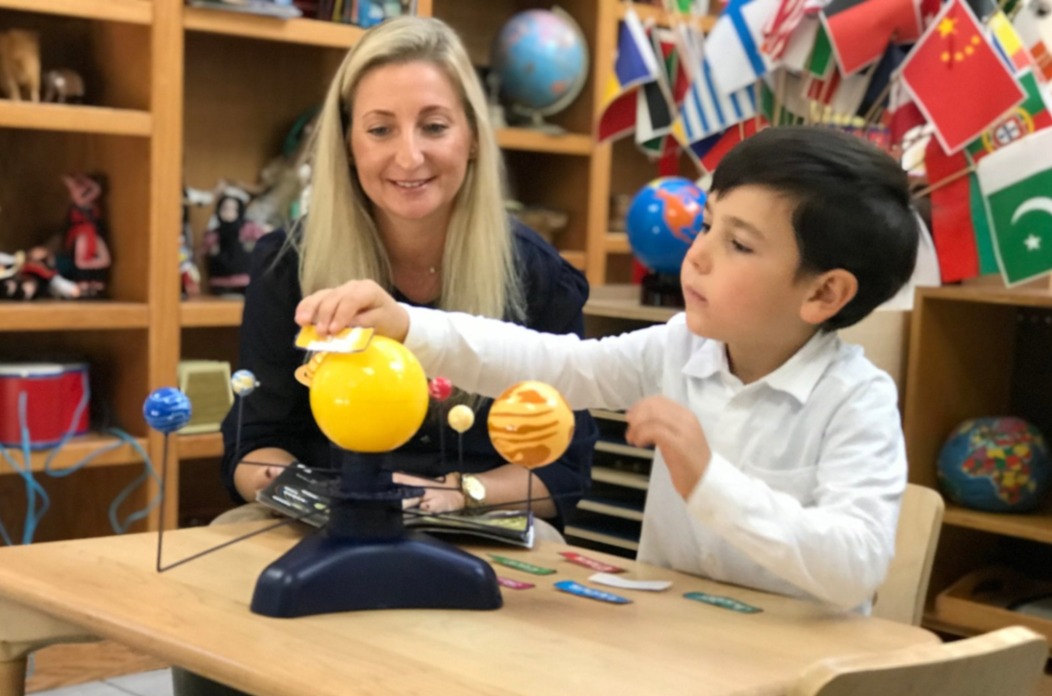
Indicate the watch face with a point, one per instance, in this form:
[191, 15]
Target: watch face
[473, 488]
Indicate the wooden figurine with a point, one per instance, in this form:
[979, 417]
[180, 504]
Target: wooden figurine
[86, 260]
[20, 65]
[63, 86]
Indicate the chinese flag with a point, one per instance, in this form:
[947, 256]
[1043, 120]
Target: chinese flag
[957, 79]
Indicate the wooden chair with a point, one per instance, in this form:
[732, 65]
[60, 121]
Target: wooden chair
[1006, 662]
[901, 596]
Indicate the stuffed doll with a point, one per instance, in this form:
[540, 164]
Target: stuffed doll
[229, 241]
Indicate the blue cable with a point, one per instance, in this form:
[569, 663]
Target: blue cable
[148, 473]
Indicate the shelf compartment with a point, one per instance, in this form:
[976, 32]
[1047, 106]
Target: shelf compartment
[621, 301]
[311, 32]
[973, 604]
[210, 311]
[1033, 526]
[619, 533]
[610, 509]
[537, 141]
[617, 243]
[130, 11]
[75, 450]
[72, 315]
[605, 414]
[202, 446]
[620, 478]
[74, 118]
[623, 450]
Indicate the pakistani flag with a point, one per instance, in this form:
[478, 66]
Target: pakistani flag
[1016, 182]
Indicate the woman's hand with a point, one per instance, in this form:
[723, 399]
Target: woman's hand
[438, 496]
[355, 303]
[673, 429]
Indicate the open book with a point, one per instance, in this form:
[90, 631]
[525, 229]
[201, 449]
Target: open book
[300, 491]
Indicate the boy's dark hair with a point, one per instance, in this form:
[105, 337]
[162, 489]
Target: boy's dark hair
[852, 206]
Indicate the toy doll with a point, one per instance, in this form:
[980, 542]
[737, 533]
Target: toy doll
[229, 241]
[24, 274]
[20, 65]
[86, 259]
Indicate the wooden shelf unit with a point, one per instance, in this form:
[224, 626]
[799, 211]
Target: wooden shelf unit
[186, 96]
[976, 352]
[117, 453]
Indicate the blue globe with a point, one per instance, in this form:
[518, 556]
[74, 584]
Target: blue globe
[663, 219]
[166, 410]
[541, 60]
[995, 465]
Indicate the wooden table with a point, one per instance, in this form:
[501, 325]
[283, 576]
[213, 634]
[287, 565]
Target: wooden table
[541, 642]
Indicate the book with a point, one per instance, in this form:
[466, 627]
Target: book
[305, 493]
[265, 8]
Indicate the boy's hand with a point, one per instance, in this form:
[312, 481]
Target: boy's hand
[355, 303]
[672, 428]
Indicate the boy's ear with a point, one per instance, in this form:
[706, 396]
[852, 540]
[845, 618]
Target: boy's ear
[830, 291]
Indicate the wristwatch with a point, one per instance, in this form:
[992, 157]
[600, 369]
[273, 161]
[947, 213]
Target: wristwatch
[473, 490]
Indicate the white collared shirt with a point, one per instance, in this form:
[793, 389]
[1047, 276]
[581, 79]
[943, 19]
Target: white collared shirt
[801, 496]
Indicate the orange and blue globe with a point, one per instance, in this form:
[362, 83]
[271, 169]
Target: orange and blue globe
[995, 465]
[541, 60]
[663, 219]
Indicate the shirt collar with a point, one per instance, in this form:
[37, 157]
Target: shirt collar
[797, 376]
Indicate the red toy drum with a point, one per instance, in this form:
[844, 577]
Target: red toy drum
[54, 393]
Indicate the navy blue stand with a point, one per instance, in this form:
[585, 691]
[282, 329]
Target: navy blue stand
[661, 290]
[365, 558]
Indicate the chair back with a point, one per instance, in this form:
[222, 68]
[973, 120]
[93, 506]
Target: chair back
[901, 596]
[1006, 662]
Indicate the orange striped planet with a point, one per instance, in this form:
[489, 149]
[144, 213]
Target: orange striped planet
[530, 424]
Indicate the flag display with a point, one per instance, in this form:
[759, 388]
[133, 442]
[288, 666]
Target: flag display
[707, 110]
[1035, 31]
[860, 30]
[951, 215]
[953, 65]
[1016, 182]
[1030, 116]
[635, 64]
[733, 45]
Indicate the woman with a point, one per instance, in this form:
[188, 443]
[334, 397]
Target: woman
[407, 190]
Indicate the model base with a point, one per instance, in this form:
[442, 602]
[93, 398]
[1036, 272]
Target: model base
[324, 574]
[661, 290]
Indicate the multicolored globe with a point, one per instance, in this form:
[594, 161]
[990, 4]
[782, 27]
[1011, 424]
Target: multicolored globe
[663, 219]
[373, 400]
[530, 424]
[995, 465]
[541, 60]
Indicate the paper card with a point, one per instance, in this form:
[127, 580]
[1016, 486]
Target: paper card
[723, 602]
[346, 341]
[590, 562]
[576, 588]
[521, 565]
[514, 584]
[629, 584]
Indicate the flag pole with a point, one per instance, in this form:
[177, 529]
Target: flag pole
[945, 181]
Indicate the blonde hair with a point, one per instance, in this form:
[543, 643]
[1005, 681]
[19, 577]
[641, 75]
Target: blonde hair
[341, 241]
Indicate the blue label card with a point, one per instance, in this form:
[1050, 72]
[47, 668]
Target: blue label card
[576, 588]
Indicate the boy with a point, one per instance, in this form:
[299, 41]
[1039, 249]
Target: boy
[780, 460]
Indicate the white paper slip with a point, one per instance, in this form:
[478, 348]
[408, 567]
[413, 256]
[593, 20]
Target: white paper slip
[629, 584]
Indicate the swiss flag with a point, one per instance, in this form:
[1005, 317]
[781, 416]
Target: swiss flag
[953, 65]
